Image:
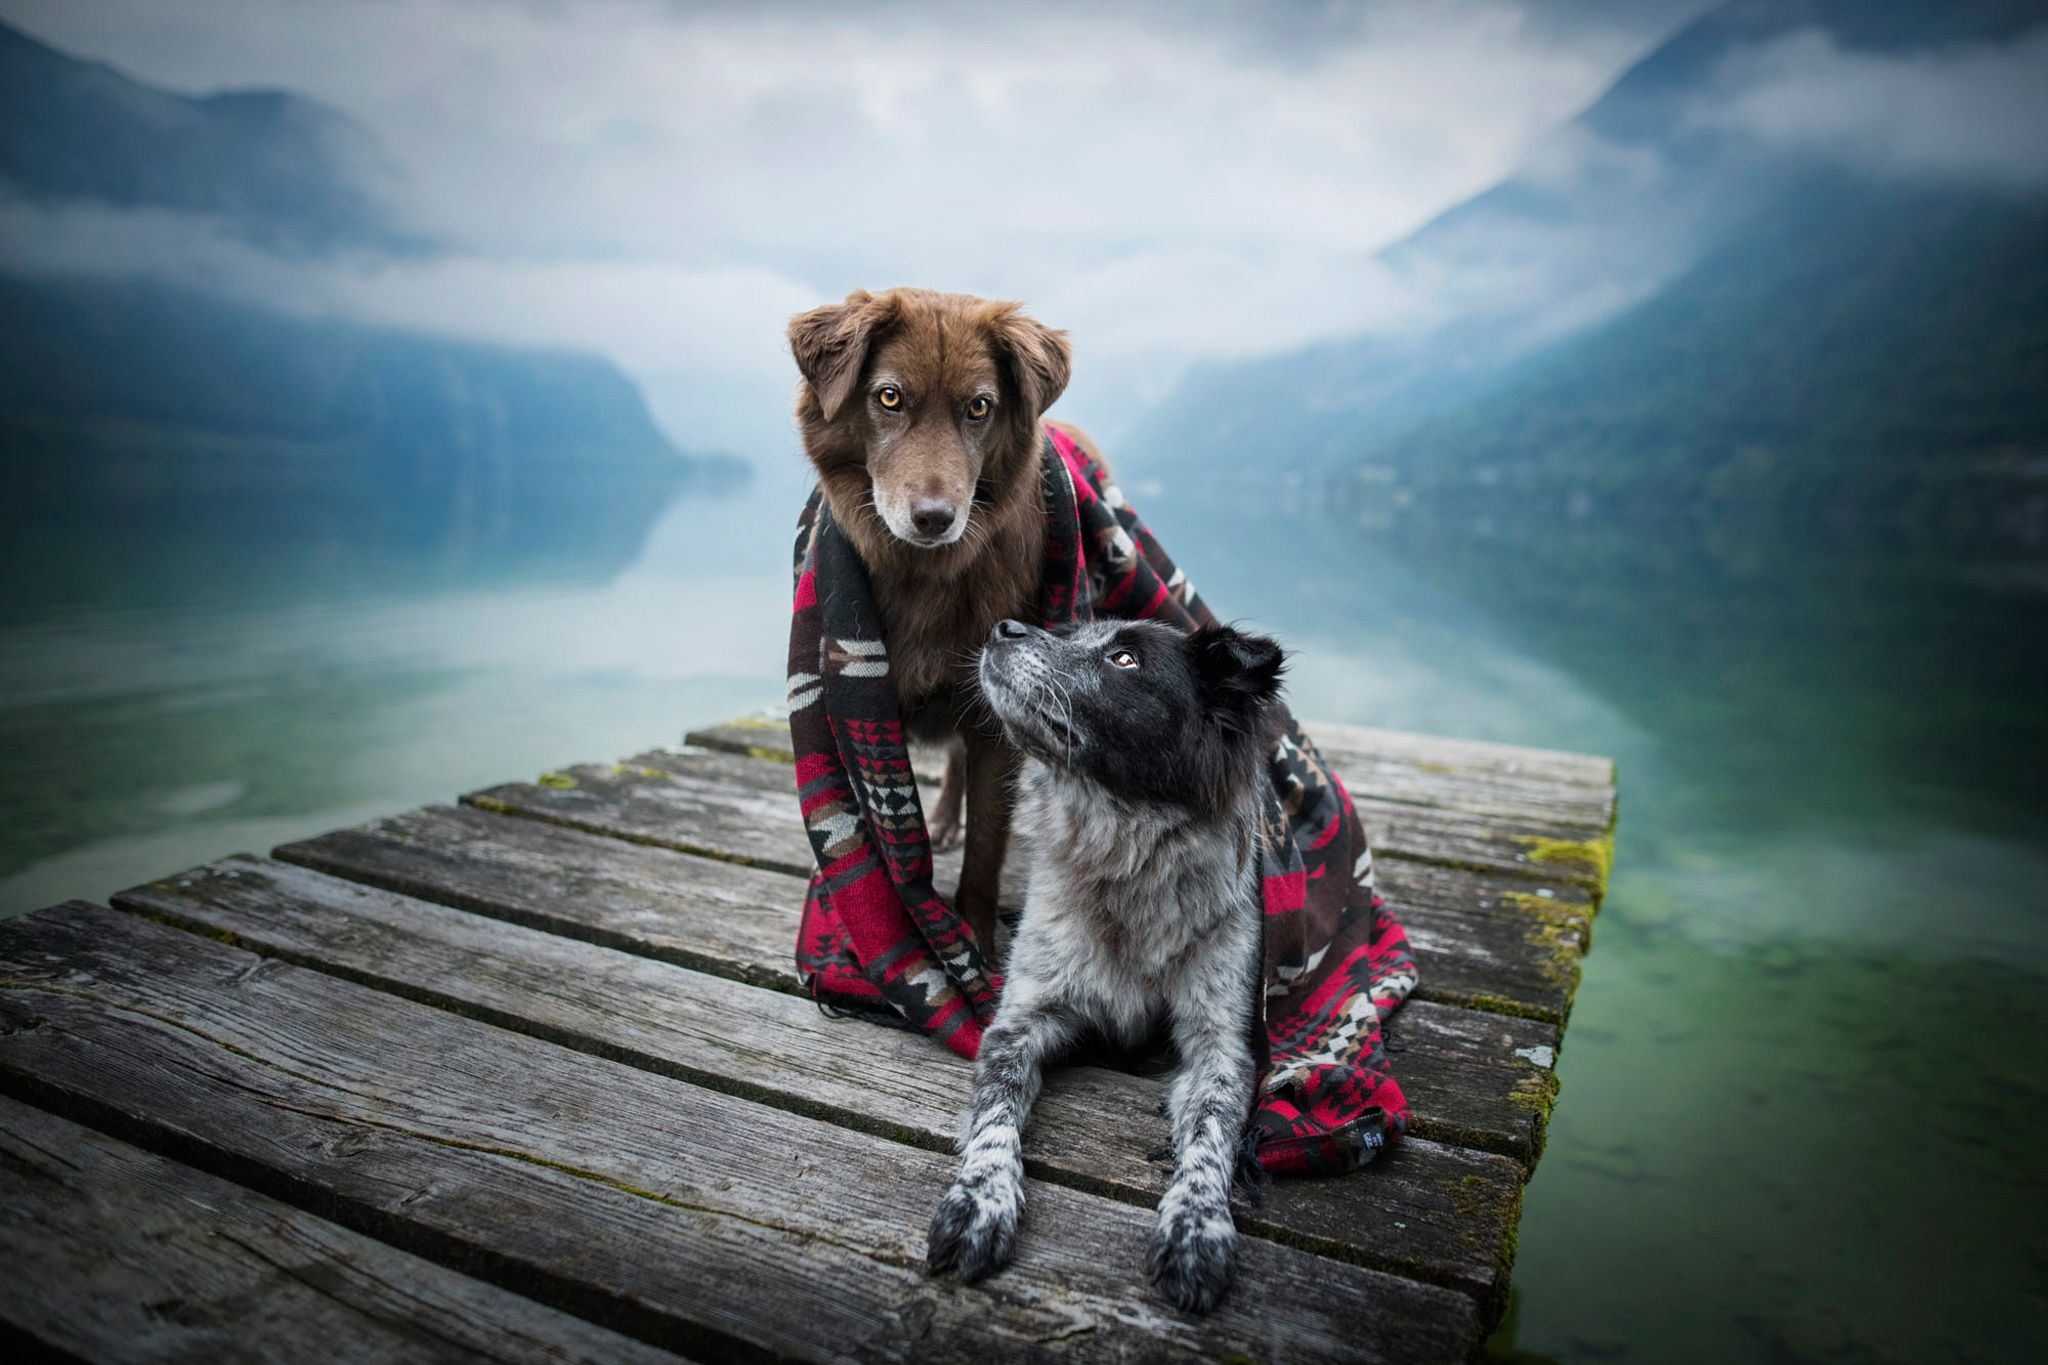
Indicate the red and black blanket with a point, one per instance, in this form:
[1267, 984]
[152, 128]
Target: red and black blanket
[877, 935]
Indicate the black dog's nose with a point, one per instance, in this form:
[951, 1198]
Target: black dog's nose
[1008, 630]
[931, 516]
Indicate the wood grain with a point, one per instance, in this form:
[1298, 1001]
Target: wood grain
[1575, 791]
[1436, 1213]
[1470, 775]
[1506, 956]
[116, 1254]
[692, 1219]
[1467, 756]
[1534, 849]
[1489, 941]
[695, 912]
[1538, 844]
[767, 736]
[741, 923]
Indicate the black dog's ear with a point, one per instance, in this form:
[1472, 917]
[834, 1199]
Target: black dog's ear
[1038, 358]
[831, 344]
[1237, 674]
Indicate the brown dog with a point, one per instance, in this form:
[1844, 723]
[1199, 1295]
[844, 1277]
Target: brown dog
[920, 412]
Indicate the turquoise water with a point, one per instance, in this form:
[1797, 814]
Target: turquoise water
[1801, 1089]
[1800, 1096]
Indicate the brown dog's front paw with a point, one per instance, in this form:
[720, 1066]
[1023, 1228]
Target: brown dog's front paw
[944, 833]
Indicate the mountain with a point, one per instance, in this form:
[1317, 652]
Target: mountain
[148, 406]
[1855, 347]
[281, 170]
[201, 441]
[1623, 220]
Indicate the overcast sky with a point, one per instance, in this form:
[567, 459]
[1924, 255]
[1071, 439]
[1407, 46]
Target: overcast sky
[666, 183]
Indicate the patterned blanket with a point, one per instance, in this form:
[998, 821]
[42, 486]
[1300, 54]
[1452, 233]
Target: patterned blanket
[876, 936]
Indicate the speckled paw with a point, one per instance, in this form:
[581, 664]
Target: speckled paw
[973, 1232]
[1193, 1259]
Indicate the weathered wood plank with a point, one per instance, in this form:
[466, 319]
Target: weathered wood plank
[741, 923]
[767, 736]
[116, 1254]
[1484, 843]
[1464, 757]
[1488, 941]
[1468, 775]
[1558, 905]
[685, 1217]
[701, 801]
[1588, 809]
[1436, 1213]
[1508, 957]
[717, 814]
[744, 810]
[703, 913]
[1476, 1079]
[1541, 848]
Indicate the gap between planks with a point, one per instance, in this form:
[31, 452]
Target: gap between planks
[629, 1199]
[1498, 939]
[1468, 775]
[207, 1270]
[1474, 1079]
[1431, 1212]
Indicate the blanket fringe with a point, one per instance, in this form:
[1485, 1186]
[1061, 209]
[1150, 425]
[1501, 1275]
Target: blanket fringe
[887, 1018]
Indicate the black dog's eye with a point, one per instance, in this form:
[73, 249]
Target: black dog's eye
[1123, 658]
[889, 396]
[978, 407]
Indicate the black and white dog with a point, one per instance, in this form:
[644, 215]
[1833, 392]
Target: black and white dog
[1145, 754]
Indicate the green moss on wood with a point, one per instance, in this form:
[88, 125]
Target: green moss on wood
[1578, 855]
[1494, 1004]
[1458, 1135]
[557, 781]
[1483, 1207]
[1560, 926]
[1471, 1197]
[1536, 1094]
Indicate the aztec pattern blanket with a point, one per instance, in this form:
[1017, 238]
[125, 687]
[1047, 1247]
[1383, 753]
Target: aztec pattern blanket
[876, 936]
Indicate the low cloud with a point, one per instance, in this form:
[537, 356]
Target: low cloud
[1977, 112]
[666, 183]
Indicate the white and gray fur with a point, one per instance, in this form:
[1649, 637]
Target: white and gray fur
[1145, 751]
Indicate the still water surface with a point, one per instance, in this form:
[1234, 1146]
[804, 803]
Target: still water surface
[1802, 1095]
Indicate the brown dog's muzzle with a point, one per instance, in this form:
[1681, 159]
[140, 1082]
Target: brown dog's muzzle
[925, 489]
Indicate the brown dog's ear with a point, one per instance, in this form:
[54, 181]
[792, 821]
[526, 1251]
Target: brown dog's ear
[831, 343]
[1039, 358]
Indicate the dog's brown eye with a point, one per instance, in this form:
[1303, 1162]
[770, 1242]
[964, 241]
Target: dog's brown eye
[889, 396]
[1123, 658]
[979, 407]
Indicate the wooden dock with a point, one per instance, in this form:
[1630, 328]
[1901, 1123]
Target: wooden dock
[531, 1078]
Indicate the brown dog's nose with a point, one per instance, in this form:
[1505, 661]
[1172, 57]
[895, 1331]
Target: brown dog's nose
[932, 516]
[1008, 630]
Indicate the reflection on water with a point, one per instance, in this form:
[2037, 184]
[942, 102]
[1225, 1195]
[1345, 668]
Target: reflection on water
[177, 717]
[1800, 1086]
[1799, 1104]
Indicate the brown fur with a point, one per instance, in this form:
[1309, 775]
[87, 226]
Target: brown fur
[878, 467]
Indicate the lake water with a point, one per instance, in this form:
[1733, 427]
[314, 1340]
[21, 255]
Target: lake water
[1801, 1095]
